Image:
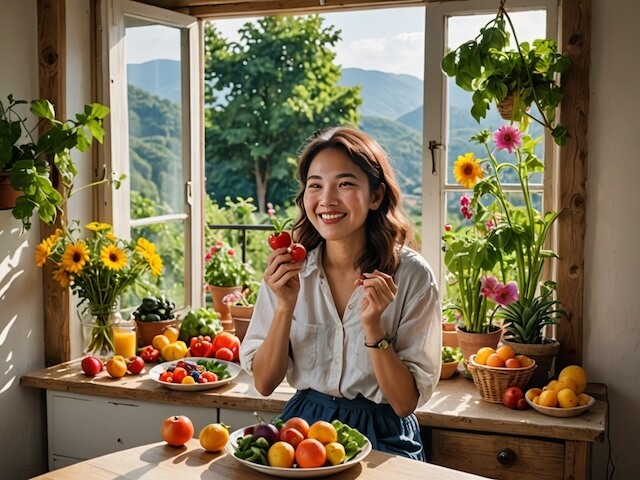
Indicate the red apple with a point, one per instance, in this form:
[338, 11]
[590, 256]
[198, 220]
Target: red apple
[91, 365]
[135, 364]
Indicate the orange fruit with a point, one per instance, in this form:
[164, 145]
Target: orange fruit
[566, 382]
[512, 363]
[550, 385]
[533, 393]
[116, 366]
[577, 373]
[505, 352]
[567, 398]
[524, 360]
[323, 431]
[281, 454]
[583, 399]
[482, 355]
[548, 398]
[213, 437]
[310, 453]
[495, 360]
[299, 424]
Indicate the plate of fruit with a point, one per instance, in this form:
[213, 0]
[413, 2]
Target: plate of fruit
[296, 449]
[564, 396]
[194, 373]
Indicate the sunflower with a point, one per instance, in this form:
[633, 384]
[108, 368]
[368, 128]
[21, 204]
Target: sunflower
[97, 226]
[155, 263]
[75, 256]
[113, 257]
[62, 277]
[467, 170]
[145, 247]
[43, 250]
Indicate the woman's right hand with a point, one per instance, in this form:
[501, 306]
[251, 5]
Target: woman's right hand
[281, 275]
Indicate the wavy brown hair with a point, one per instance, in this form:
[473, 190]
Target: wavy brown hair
[387, 228]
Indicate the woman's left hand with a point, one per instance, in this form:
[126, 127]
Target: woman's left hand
[379, 290]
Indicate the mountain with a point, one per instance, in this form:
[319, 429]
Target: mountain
[387, 95]
[160, 78]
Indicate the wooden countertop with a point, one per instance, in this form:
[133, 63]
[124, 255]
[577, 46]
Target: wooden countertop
[158, 461]
[455, 404]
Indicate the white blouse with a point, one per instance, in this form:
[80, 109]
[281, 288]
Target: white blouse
[328, 354]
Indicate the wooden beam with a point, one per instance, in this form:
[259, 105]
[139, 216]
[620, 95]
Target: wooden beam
[574, 114]
[52, 78]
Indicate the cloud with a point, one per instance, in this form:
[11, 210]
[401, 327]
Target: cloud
[401, 53]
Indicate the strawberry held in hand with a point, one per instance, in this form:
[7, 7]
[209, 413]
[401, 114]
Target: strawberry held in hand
[282, 239]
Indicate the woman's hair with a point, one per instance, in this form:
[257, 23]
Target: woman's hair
[387, 228]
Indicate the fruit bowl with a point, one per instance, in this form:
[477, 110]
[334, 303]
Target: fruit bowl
[294, 472]
[233, 368]
[562, 412]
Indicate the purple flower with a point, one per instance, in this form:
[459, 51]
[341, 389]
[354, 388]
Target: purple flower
[506, 294]
[508, 138]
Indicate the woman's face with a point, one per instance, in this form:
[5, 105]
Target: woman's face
[337, 198]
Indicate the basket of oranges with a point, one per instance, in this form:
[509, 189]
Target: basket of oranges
[494, 370]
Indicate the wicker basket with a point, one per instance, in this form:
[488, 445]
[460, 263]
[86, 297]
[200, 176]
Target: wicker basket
[493, 381]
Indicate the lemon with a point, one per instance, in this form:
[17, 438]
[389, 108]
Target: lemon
[576, 373]
[482, 355]
[335, 453]
[567, 398]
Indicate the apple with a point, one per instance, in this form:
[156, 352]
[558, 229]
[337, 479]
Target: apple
[511, 397]
[91, 365]
[135, 364]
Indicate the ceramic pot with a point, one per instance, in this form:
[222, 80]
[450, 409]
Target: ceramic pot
[470, 343]
[145, 331]
[240, 326]
[449, 335]
[448, 370]
[217, 294]
[543, 353]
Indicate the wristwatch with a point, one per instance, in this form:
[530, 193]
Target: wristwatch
[382, 344]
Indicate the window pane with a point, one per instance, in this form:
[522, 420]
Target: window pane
[156, 176]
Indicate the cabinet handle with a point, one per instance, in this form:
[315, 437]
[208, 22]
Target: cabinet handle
[506, 457]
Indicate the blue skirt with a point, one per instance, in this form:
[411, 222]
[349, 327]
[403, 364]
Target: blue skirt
[378, 422]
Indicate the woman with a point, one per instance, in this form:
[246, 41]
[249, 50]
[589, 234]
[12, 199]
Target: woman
[355, 327]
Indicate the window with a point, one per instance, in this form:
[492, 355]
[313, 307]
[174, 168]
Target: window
[153, 138]
[182, 197]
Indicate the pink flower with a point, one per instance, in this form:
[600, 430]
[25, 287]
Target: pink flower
[508, 138]
[447, 228]
[491, 225]
[270, 210]
[488, 286]
[231, 252]
[506, 294]
[465, 201]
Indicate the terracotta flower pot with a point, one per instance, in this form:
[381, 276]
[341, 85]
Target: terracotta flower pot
[145, 331]
[543, 353]
[470, 343]
[449, 335]
[448, 370]
[217, 294]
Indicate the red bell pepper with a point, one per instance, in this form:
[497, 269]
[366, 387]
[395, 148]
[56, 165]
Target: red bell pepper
[200, 346]
[150, 354]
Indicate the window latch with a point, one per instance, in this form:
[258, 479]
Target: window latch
[433, 145]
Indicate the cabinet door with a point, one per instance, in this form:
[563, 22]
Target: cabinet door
[498, 456]
[82, 427]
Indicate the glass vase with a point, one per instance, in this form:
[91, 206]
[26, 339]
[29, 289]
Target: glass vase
[97, 329]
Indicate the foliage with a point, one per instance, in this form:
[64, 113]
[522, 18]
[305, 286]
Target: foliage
[489, 69]
[266, 94]
[451, 354]
[101, 267]
[245, 297]
[29, 164]
[505, 235]
[224, 267]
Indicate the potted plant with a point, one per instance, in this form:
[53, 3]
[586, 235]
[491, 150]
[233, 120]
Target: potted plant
[241, 304]
[451, 357]
[518, 232]
[27, 159]
[224, 273]
[521, 77]
[152, 317]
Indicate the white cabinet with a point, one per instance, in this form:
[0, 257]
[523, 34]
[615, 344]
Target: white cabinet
[82, 426]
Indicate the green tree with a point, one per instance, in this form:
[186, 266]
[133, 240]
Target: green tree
[265, 95]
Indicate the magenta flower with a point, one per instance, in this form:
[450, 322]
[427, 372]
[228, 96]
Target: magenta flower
[488, 286]
[491, 225]
[508, 138]
[506, 294]
[465, 201]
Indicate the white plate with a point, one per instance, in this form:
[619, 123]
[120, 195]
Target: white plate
[233, 368]
[283, 472]
[562, 412]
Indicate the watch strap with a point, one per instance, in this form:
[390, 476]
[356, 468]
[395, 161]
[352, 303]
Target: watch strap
[383, 343]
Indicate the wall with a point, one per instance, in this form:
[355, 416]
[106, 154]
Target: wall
[612, 309]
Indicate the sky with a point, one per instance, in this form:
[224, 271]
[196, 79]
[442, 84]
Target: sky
[387, 40]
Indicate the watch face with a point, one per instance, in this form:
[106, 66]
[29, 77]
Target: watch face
[383, 344]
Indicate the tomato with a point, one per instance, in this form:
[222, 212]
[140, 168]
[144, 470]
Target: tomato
[166, 377]
[135, 364]
[291, 436]
[228, 340]
[298, 252]
[279, 240]
[178, 374]
[214, 437]
[91, 365]
[224, 353]
[511, 396]
[177, 430]
[209, 376]
[310, 453]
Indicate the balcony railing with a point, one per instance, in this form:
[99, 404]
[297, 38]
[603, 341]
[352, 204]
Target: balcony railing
[243, 228]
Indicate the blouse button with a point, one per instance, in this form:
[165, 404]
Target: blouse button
[350, 306]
